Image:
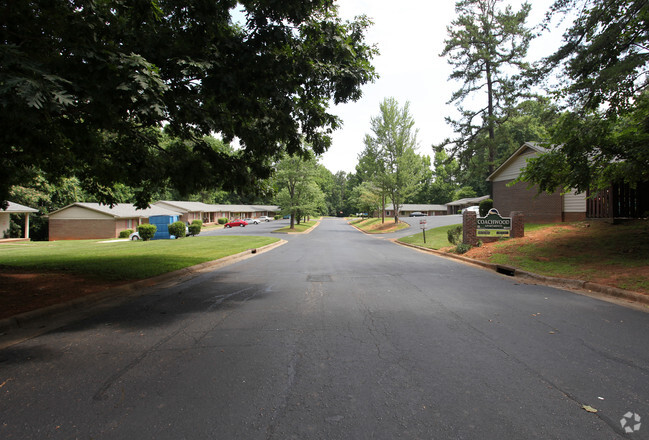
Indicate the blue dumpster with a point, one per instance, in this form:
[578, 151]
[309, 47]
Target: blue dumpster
[162, 223]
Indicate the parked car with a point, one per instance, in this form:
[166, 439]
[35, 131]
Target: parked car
[254, 221]
[287, 216]
[417, 214]
[265, 218]
[134, 236]
[236, 222]
[472, 209]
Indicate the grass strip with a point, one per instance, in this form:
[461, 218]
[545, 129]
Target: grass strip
[374, 226]
[298, 228]
[436, 238]
[124, 260]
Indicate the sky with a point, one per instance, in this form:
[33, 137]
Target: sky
[410, 36]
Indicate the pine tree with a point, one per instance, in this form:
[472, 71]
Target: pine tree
[486, 47]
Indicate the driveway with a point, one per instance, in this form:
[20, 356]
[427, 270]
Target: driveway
[336, 335]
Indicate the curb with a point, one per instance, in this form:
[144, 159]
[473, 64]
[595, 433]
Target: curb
[375, 234]
[542, 279]
[133, 289]
[303, 232]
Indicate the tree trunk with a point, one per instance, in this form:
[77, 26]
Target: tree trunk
[492, 135]
[292, 220]
[382, 208]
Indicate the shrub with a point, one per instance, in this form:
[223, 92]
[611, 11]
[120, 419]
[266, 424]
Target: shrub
[455, 235]
[195, 227]
[485, 206]
[177, 229]
[462, 248]
[125, 233]
[147, 231]
[223, 220]
[278, 217]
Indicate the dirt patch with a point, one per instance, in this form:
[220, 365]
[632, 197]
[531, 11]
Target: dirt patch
[613, 255]
[22, 291]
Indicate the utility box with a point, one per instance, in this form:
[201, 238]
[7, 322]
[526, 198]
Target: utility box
[162, 223]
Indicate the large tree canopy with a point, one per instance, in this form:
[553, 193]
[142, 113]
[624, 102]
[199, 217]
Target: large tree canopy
[604, 63]
[86, 85]
[487, 47]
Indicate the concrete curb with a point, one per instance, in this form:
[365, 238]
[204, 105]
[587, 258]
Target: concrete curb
[542, 279]
[134, 289]
[308, 231]
[376, 234]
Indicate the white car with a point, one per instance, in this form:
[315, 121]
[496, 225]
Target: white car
[254, 221]
[265, 218]
[475, 209]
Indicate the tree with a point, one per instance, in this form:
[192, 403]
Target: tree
[486, 47]
[603, 135]
[366, 198]
[298, 193]
[86, 85]
[393, 142]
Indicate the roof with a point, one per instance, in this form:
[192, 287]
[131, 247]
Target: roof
[187, 206]
[122, 210]
[414, 207]
[531, 145]
[17, 208]
[467, 201]
[204, 207]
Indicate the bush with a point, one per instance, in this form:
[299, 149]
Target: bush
[195, 227]
[455, 235]
[147, 231]
[125, 233]
[278, 217]
[177, 229]
[485, 206]
[462, 248]
[223, 220]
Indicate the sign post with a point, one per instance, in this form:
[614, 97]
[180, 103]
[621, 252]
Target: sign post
[422, 225]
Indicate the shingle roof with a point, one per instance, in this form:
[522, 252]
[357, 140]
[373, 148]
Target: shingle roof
[18, 208]
[467, 201]
[420, 207]
[122, 210]
[187, 206]
[533, 145]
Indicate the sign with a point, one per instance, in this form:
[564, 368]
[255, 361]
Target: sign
[493, 225]
[422, 223]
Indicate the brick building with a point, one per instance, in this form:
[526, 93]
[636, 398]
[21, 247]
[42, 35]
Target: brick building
[82, 221]
[537, 208]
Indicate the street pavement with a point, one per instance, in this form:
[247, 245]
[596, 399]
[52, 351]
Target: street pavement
[336, 335]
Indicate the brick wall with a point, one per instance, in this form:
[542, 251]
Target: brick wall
[70, 229]
[544, 208]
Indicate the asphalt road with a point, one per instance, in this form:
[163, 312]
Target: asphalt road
[336, 335]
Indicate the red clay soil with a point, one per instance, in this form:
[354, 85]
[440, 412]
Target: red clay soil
[574, 240]
[22, 291]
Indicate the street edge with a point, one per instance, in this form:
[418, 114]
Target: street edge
[585, 286]
[308, 231]
[133, 289]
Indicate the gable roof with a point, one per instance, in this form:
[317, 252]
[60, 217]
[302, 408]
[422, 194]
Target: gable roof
[121, 210]
[467, 201]
[527, 145]
[417, 207]
[17, 208]
[186, 206]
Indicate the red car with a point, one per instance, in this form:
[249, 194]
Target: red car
[236, 222]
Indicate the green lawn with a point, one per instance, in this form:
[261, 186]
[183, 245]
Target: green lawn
[124, 260]
[298, 228]
[436, 238]
[374, 225]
